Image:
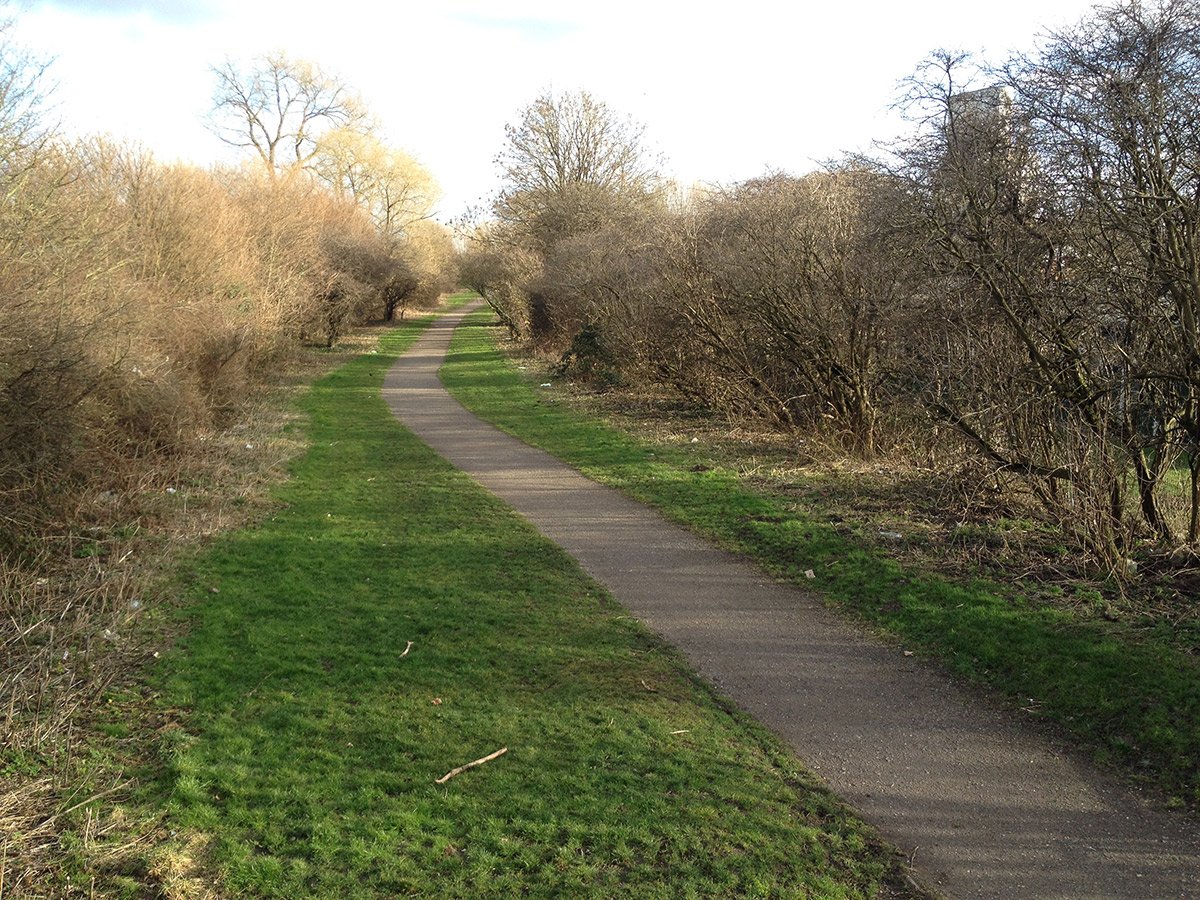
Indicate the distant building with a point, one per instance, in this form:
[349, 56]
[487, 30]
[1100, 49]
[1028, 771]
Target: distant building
[981, 112]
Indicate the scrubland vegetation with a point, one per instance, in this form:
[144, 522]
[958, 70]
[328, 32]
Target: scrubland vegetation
[147, 308]
[1001, 308]
[1007, 297]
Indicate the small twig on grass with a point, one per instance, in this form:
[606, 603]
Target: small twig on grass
[471, 765]
[406, 649]
[261, 682]
[647, 687]
[682, 731]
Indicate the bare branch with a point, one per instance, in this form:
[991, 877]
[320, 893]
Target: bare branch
[279, 108]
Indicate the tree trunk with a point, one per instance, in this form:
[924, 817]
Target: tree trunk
[1147, 485]
[1194, 522]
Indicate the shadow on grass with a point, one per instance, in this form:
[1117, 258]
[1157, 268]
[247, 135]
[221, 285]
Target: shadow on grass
[393, 621]
[1132, 699]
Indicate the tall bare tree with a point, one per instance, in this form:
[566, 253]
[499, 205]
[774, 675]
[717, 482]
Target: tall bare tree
[1013, 350]
[571, 166]
[1114, 108]
[278, 108]
[569, 163]
[1062, 210]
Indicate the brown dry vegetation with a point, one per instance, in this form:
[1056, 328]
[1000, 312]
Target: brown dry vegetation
[150, 314]
[1008, 295]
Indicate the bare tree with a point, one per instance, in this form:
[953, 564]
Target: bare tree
[1114, 108]
[1012, 353]
[278, 108]
[569, 164]
[395, 189]
[1062, 212]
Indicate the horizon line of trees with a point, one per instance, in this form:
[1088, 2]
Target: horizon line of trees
[1016, 284]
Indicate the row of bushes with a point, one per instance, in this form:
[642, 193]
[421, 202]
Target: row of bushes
[145, 309]
[143, 302]
[1012, 284]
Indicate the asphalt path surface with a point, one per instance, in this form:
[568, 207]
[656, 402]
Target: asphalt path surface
[983, 804]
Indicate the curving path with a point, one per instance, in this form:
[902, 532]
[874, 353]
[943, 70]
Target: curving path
[984, 808]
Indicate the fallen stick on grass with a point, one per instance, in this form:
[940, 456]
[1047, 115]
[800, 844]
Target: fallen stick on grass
[471, 765]
[406, 649]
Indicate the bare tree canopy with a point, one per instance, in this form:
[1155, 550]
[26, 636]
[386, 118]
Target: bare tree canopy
[389, 184]
[1061, 206]
[573, 139]
[1114, 111]
[279, 108]
[569, 164]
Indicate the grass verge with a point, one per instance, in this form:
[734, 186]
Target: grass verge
[80, 623]
[1133, 698]
[313, 730]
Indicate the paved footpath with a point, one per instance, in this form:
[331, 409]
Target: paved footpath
[984, 807]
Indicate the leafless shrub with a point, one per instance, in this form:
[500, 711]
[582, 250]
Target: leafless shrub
[427, 256]
[502, 270]
[800, 288]
[1058, 205]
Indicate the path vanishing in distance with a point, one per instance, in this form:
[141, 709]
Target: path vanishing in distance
[984, 807]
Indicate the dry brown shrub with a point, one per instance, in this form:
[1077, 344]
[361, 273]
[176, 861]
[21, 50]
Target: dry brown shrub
[146, 309]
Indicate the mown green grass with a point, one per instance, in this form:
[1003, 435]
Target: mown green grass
[1133, 698]
[311, 742]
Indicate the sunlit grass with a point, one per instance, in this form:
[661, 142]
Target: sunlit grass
[1134, 698]
[312, 740]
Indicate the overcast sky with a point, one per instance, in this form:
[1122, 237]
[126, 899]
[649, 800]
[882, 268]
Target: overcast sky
[725, 90]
